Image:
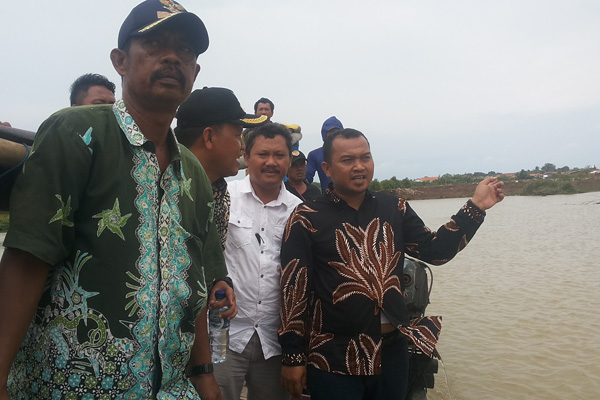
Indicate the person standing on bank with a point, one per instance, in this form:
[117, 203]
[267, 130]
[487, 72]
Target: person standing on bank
[344, 323]
[109, 268]
[260, 206]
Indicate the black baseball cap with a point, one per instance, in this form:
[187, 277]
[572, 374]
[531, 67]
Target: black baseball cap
[297, 155]
[215, 105]
[147, 16]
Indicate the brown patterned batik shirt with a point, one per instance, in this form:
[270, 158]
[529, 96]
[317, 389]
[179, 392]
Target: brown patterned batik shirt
[343, 267]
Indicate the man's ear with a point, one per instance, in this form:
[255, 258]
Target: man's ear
[118, 58]
[325, 167]
[207, 137]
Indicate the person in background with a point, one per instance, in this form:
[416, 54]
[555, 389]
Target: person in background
[344, 324]
[92, 89]
[260, 206]
[315, 157]
[112, 239]
[5, 124]
[264, 106]
[296, 182]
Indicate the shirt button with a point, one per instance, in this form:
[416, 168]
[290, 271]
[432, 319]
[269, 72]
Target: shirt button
[261, 252]
[262, 229]
[262, 275]
[260, 302]
[256, 326]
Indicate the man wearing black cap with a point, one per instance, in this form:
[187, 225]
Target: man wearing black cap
[210, 124]
[108, 269]
[297, 183]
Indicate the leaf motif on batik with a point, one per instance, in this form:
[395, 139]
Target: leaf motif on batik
[297, 218]
[424, 332]
[369, 258]
[370, 361]
[451, 226]
[294, 283]
[402, 206]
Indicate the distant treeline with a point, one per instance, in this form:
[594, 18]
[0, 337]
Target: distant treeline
[548, 170]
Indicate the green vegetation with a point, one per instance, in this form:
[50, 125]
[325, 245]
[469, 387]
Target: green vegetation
[549, 170]
[3, 221]
[548, 187]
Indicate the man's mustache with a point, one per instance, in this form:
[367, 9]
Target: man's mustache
[168, 72]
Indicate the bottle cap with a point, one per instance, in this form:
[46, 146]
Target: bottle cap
[220, 295]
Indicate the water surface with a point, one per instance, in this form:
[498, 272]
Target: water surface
[520, 302]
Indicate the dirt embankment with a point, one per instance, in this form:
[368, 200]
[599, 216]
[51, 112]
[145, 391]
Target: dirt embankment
[591, 184]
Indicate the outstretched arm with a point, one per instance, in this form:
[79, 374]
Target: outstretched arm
[488, 193]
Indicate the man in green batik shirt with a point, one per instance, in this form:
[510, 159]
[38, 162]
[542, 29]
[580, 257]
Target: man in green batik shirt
[112, 239]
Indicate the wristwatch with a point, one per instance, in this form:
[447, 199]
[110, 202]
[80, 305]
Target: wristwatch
[198, 370]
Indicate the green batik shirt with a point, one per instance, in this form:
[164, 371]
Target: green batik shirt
[131, 250]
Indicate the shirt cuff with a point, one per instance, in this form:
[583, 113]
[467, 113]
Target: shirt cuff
[474, 212]
[293, 359]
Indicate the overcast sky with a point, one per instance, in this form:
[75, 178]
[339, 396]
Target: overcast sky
[437, 86]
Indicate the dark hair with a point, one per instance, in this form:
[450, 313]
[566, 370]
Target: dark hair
[188, 136]
[263, 100]
[347, 133]
[83, 83]
[269, 131]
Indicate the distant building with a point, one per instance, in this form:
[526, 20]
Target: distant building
[427, 179]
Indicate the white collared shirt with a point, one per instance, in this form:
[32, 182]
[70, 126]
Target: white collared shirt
[252, 251]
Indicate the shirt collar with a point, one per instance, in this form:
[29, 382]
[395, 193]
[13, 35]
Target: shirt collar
[219, 187]
[333, 197]
[284, 197]
[134, 134]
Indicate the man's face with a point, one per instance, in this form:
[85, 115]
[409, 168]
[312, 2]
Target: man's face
[268, 162]
[98, 95]
[264, 109]
[351, 166]
[158, 70]
[297, 171]
[227, 148]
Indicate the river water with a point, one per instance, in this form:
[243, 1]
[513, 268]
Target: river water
[520, 302]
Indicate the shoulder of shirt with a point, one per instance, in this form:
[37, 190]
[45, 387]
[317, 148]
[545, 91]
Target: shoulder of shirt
[84, 113]
[80, 119]
[289, 198]
[386, 198]
[238, 186]
[314, 153]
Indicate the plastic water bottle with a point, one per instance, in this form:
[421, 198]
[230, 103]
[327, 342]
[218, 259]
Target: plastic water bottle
[218, 331]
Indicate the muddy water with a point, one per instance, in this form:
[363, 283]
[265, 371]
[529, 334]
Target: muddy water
[520, 303]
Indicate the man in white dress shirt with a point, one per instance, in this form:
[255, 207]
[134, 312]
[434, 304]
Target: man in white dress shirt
[260, 207]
